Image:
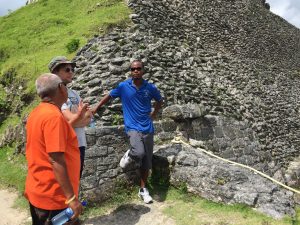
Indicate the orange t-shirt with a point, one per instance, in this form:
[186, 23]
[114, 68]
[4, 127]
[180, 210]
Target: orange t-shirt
[48, 131]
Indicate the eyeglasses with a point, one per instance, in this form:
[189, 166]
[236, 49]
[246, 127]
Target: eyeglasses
[69, 69]
[136, 68]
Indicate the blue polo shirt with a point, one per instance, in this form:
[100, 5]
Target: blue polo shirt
[136, 104]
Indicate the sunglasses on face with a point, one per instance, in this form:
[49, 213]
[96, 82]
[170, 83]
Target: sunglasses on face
[69, 69]
[136, 68]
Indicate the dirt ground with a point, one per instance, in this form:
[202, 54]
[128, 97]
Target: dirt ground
[136, 213]
[8, 214]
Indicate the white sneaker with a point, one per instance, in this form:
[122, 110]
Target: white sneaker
[126, 160]
[144, 194]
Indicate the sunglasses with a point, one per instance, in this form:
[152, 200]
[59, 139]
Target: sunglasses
[68, 70]
[136, 68]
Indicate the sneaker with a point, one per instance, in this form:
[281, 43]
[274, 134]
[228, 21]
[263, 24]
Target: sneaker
[126, 160]
[144, 194]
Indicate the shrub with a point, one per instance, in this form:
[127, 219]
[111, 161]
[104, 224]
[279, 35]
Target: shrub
[3, 55]
[73, 45]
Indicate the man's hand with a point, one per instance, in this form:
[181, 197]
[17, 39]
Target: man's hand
[103, 101]
[153, 115]
[94, 110]
[77, 208]
[82, 109]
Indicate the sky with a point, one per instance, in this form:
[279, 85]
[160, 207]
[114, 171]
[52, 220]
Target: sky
[6, 5]
[288, 9]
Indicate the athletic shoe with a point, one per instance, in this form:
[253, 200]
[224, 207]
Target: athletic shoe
[144, 194]
[126, 160]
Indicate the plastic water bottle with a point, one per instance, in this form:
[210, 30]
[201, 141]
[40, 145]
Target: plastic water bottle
[64, 216]
[92, 122]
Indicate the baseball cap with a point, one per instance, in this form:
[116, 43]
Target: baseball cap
[58, 60]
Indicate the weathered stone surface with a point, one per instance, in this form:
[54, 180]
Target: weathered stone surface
[183, 112]
[219, 181]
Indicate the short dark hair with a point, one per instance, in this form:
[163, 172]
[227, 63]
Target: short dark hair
[137, 60]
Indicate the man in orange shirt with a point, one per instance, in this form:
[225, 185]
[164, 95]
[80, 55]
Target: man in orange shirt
[52, 154]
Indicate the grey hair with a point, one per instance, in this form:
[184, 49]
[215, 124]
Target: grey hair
[47, 84]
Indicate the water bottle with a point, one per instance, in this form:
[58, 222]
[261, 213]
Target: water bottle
[92, 122]
[64, 216]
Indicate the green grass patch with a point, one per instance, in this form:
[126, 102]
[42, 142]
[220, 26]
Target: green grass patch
[13, 174]
[193, 210]
[12, 169]
[32, 35]
[123, 193]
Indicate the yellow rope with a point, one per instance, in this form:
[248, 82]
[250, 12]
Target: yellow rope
[178, 140]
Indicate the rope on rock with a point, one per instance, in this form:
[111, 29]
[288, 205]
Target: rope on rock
[178, 140]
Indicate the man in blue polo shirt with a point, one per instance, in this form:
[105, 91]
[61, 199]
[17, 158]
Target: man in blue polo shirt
[136, 95]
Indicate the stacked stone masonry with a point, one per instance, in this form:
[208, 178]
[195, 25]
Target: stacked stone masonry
[236, 59]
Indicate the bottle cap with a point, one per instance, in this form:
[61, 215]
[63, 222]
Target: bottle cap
[84, 203]
[69, 212]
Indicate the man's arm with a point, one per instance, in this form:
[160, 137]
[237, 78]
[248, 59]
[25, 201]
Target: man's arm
[75, 120]
[102, 102]
[79, 119]
[157, 107]
[58, 162]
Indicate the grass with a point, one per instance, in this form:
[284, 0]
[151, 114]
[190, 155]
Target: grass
[185, 208]
[32, 35]
[192, 210]
[123, 194]
[13, 174]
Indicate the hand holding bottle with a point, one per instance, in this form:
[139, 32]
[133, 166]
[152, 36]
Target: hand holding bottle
[76, 207]
[68, 214]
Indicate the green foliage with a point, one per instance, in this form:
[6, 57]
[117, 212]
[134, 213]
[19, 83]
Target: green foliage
[12, 169]
[123, 193]
[182, 187]
[8, 77]
[73, 45]
[193, 210]
[117, 119]
[32, 35]
[3, 55]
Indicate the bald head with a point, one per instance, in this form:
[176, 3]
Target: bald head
[47, 85]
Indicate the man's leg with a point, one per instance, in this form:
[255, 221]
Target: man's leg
[144, 177]
[42, 216]
[146, 166]
[82, 155]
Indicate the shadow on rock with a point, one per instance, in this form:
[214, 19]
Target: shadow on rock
[128, 214]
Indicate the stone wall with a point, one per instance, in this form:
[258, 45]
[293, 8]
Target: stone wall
[30, 1]
[187, 164]
[236, 59]
[106, 146]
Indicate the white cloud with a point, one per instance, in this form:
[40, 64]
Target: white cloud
[287, 9]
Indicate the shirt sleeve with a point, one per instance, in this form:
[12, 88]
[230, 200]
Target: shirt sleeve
[115, 93]
[55, 134]
[155, 93]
